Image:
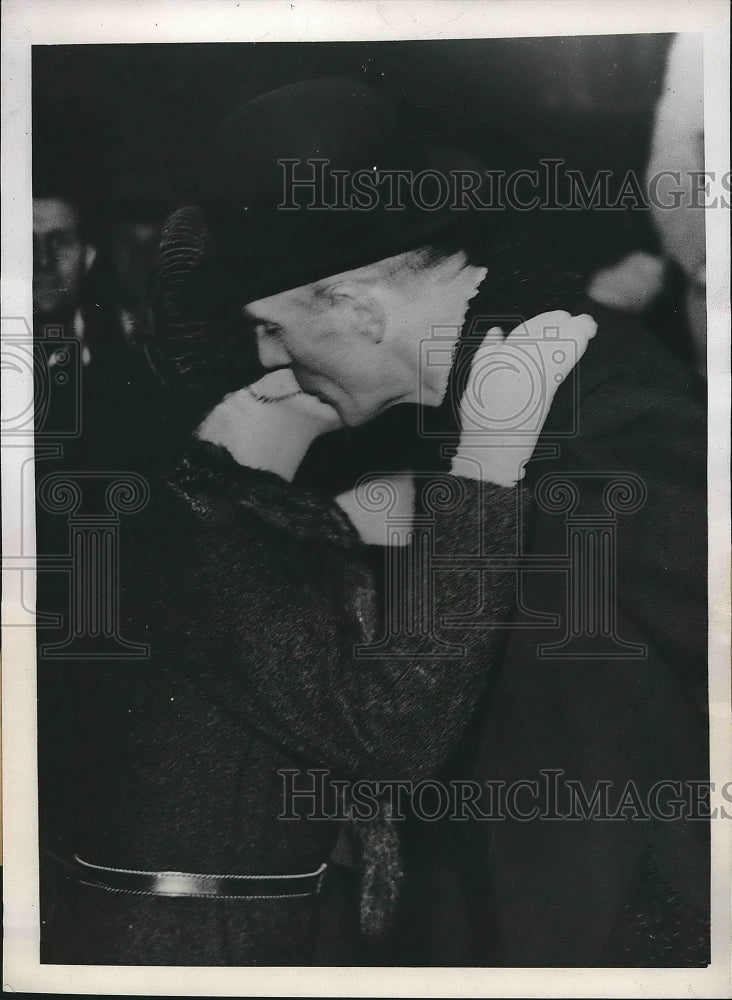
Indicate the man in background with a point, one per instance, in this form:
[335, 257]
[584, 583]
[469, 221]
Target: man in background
[61, 258]
[62, 255]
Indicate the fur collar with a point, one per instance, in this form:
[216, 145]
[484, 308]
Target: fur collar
[207, 473]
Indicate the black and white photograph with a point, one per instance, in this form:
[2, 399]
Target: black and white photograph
[366, 500]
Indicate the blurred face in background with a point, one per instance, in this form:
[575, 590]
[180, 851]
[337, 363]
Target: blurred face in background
[133, 248]
[60, 257]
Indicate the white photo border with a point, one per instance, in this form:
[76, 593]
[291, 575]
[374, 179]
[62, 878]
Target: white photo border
[46, 22]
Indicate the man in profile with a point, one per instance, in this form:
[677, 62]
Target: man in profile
[601, 674]
[252, 595]
[602, 680]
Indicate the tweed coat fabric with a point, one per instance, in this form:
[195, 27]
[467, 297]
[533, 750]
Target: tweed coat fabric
[251, 594]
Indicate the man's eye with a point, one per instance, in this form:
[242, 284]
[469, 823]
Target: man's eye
[62, 238]
[335, 296]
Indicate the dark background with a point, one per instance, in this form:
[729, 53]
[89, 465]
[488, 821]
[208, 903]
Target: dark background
[129, 119]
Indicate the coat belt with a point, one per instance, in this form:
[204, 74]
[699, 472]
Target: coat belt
[188, 884]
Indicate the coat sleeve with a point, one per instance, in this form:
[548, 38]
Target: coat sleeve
[261, 632]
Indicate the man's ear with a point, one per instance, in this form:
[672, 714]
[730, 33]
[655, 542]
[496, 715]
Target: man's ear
[359, 307]
[90, 255]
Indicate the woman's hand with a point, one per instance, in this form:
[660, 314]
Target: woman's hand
[510, 390]
[269, 425]
[280, 393]
[381, 508]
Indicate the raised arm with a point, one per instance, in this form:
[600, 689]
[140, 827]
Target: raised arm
[298, 671]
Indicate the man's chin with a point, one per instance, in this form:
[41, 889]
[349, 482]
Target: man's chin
[351, 417]
[327, 400]
[358, 418]
[349, 412]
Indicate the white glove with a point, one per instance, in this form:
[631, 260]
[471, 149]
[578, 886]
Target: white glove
[269, 425]
[510, 390]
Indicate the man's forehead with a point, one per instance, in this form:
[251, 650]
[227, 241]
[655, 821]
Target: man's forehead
[54, 213]
[280, 305]
[302, 297]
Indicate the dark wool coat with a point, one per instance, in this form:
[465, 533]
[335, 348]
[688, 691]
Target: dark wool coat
[251, 594]
[593, 892]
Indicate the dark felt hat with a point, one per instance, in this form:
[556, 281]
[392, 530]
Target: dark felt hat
[293, 186]
[300, 184]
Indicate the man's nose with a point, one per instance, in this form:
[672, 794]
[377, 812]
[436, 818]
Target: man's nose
[272, 352]
[44, 256]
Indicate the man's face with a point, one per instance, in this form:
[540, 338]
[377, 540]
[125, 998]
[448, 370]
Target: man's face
[58, 256]
[330, 350]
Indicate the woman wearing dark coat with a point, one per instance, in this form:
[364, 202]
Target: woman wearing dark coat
[252, 596]
[163, 841]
